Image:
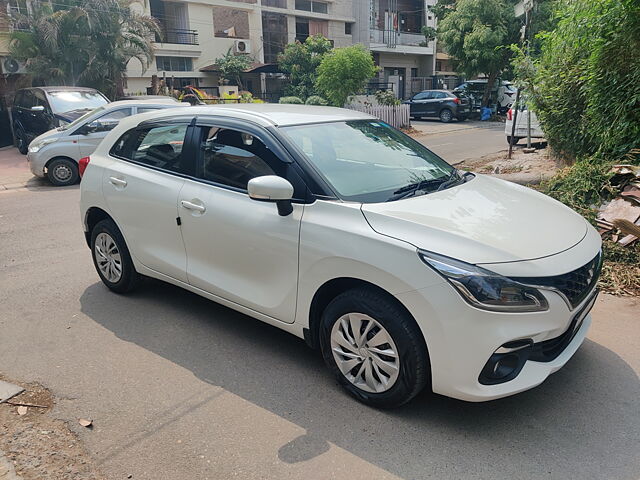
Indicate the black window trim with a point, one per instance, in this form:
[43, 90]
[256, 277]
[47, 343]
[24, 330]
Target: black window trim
[314, 185]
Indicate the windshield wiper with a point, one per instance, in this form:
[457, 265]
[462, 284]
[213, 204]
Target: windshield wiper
[426, 186]
[414, 188]
[452, 180]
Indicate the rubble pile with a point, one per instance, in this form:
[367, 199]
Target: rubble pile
[619, 219]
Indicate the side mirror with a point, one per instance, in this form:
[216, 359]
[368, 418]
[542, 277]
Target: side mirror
[271, 188]
[37, 108]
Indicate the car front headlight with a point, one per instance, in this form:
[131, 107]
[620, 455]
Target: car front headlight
[485, 289]
[35, 147]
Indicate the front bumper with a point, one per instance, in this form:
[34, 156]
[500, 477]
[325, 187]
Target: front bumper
[461, 339]
[36, 164]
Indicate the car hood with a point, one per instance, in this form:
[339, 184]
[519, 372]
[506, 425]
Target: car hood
[485, 220]
[53, 133]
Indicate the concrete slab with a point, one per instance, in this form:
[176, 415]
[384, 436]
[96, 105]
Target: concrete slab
[7, 471]
[9, 390]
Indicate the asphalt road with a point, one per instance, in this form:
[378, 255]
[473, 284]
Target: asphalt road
[458, 141]
[182, 388]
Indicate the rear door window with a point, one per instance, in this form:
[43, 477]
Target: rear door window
[423, 96]
[158, 147]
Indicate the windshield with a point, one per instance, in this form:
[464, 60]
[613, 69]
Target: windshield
[68, 100]
[367, 160]
[81, 120]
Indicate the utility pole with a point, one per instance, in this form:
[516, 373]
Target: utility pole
[528, 8]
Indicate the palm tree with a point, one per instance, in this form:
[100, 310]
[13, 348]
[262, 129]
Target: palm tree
[85, 43]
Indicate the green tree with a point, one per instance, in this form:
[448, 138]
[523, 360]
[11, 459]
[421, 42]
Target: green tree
[300, 61]
[85, 43]
[477, 34]
[233, 66]
[587, 84]
[344, 72]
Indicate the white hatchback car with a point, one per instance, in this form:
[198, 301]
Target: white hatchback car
[335, 227]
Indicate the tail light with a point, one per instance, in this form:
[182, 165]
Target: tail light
[456, 100]
[510, 114]
[82, 165]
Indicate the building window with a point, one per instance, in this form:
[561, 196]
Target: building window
[230, 23]
[274, 3]
[311, 6]
[274, 35]
[347, 28]
[174, 64]
[438, 65]
[306, 27]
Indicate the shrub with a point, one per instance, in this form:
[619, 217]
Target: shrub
[344, 72]
[387, 97]
[316, 100]
[587, 87]
[292, 100]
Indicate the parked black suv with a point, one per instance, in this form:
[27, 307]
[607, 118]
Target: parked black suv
[39, 109]
[439, 104]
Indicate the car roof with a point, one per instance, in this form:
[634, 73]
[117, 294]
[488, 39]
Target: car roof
[438, 90]
[62, 89]
[266, 114]
[141, 103]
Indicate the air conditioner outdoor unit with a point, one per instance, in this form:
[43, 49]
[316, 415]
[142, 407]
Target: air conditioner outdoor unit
[242, 46]
[11, 65]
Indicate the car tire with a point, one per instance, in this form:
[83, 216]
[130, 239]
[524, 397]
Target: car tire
[62, 172]
[380, 318]
[111, 258]
[445, 115]
[515, 140]
[21, 141]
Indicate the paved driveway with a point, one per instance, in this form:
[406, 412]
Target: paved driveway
[459, 141]
[181, 388]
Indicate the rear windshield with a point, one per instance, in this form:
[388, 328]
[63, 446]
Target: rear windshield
[68, 100]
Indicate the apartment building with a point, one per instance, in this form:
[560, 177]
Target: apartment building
[195, 33]
[392, 30]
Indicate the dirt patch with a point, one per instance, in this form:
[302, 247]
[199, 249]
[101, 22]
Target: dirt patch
[526, 168]
[41, 447]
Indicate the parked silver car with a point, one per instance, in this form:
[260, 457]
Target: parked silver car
[55, 154]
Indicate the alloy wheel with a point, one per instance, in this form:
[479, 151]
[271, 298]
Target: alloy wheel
[365, 353]
[108, 257]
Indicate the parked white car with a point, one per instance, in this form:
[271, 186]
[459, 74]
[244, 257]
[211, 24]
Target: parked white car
[521, 125]
[56, 153]
[337, 228]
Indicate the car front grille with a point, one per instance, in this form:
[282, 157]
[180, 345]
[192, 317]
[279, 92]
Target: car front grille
[574, 286]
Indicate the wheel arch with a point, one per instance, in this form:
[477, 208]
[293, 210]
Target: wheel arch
[59, 157]
[91, 218]
[330, 290]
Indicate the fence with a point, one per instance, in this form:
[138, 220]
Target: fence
[396, 115]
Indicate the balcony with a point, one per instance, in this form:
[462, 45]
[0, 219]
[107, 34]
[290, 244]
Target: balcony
[391, 38]
[178, 36]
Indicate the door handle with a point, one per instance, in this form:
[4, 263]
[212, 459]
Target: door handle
[118, 182]
[192, 206]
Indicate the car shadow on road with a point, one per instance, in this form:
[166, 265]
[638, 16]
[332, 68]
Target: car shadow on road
[583, 422]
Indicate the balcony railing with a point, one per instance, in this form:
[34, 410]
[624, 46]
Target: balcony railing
[178, 36]
[392, 38]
